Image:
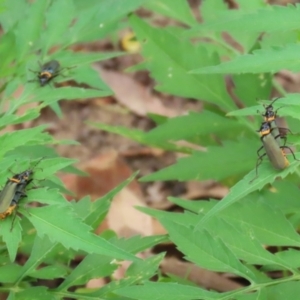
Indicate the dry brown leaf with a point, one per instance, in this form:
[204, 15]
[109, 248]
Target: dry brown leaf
[202, 277]
[158, 228]
[204, 190]
[142, 151]
[125, 219]
[288, 80]
[133, 95]
[156, 196]
[106, 172]
[96, 283]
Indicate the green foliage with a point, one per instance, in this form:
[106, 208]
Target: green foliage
[156, 291]
[47, 228]
[229, 235]
[170, 66]
[259, 61]
[266, 19]
[177, 9]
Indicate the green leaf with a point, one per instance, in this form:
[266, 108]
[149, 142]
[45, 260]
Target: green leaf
[100, 18]
[8, 49]
[208, 251]
[260, 61]
[250, 87]
[283, 291]
[27, 33]
[94, 212]
[268, 19]
[273, 230]
[56, 26]
[49, 95]
[91, 77]
[49, 272]
[169, 67]
[267, 174]
[281, 189]
[159, 290]
[247, 5]
[290, 257]
[212, 12]
[210, 9]
[9, 119]
[12, 236]
[42, 247]
[45, 167]
[139, 136]
[216, 163]
[35, 293]
[191, 125]
[256, 295]
[92, 266]
[157, 119]
[279, 38]
[145, 268]
[84, 17]
[177, 9]
[69, 59]
[247, 247]
[14, 11]
[60, 228]
[9, 272]
[45, 196]
[11, 140]
[138, 272]
[137, 243]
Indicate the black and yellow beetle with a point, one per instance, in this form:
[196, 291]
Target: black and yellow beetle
[48, 71]
[13, 191]
[270, 116]
[275, 153]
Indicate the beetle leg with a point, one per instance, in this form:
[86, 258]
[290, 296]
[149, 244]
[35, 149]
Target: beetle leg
[35, 72]
[258, 163]
[279, 108]
[13, 220]
[292, 152]
[259, 150]
[286, 129]
[282, 137]
[65, 68]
